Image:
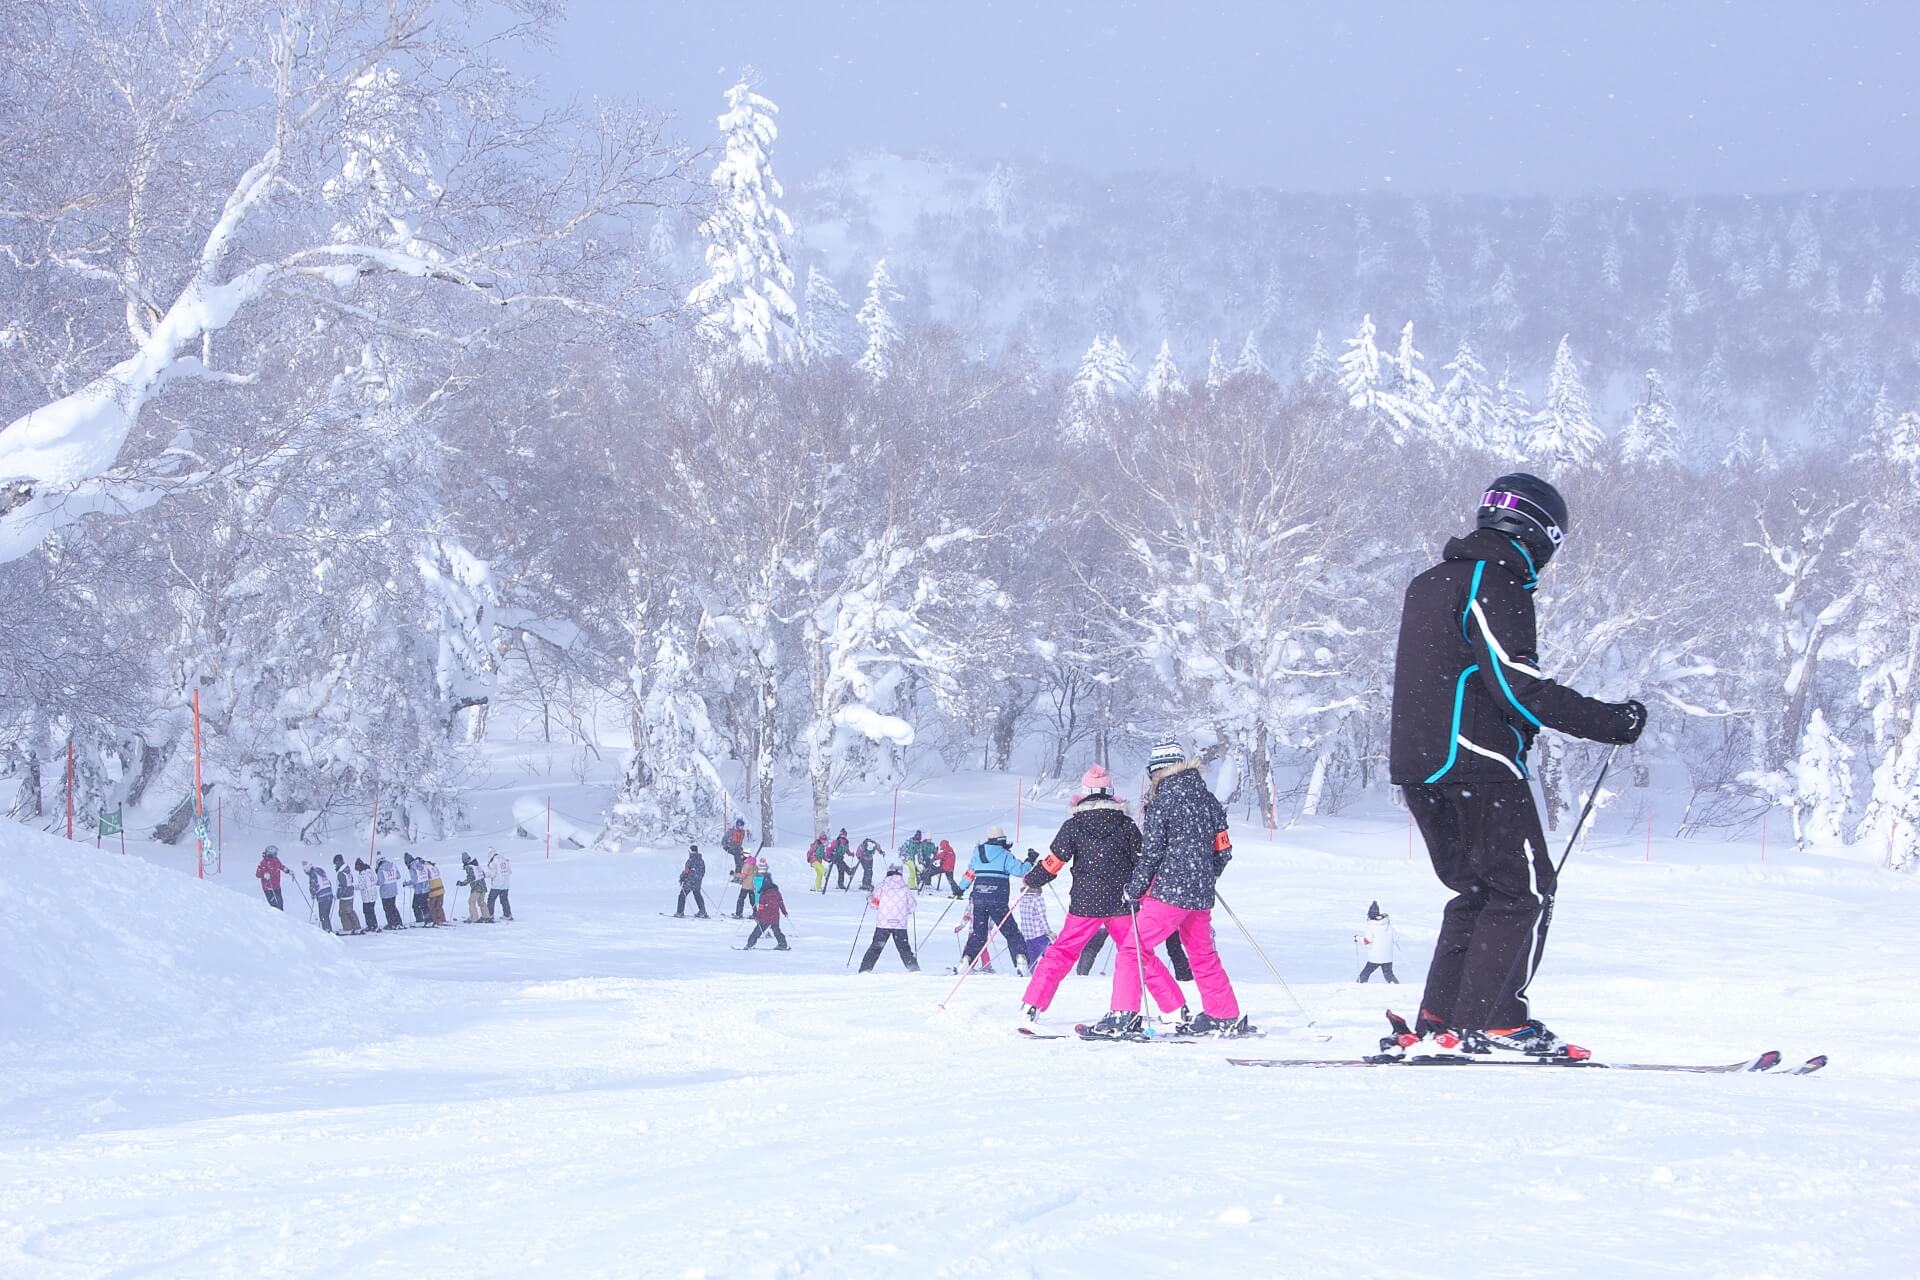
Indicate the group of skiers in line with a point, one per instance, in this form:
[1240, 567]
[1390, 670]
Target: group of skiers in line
[923, 864]
[377, 886]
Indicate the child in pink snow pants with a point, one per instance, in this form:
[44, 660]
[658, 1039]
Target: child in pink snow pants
[1101, 845]
[1184, 850]
[1195, 927]
[1073, 938]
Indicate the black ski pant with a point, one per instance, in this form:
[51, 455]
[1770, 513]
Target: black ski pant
[419, 904]
[760, 930]
[699, 900]
[866, 876]
[990, 909]
[274, 899]
[1386, 969]
[392, 907]
[1176, 956]
[1486, 845]
[845, 873]
[742, 903]
[953, 884]
[879, 944]
[498, 898]
[324, 908]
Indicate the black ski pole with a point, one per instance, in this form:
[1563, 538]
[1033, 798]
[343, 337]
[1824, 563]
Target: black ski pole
[938, 920]
[1593, 794]
[1546, 908]
[865, 902]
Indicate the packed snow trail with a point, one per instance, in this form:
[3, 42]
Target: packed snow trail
[597, 1091]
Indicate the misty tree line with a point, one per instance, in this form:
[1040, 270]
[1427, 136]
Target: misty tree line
[352, 389]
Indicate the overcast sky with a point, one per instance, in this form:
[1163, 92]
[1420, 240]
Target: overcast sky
[1524, 96]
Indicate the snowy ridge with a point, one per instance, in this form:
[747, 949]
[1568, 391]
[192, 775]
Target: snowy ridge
[109, 958]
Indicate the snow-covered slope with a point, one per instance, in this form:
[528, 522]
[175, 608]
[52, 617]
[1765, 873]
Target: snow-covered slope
[595, 1090]
[113, 963]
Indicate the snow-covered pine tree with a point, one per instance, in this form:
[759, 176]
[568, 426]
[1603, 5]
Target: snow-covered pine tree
[1409, 396]
[1805, 265]
[1512, 415]
[1713, 391]
[1216, 367]
[1466, 405]
[1163, 376]
[745, 305]
[1317, 368]
[662, 245]
[1504, 301]
[1360, 377]
[876, 322]
[1822, 785]
[1680, 290]
[1876, 300]
[823, 327]
[1563, 434]
[672, 788]
[1650, 437]
[1610, 267]
[999, 195]
[1248, 363]
[1106, 375]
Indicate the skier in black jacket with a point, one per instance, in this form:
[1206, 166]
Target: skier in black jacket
[1468, 700]
[1101, 842]
[691, 876]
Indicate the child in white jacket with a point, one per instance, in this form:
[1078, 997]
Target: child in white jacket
[1377, 937]
[893, 909]
[500, 876]
[369, 895]
[1030, 913]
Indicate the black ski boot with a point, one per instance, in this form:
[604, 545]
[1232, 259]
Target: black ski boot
[1401, 1039]
[1121, 1024]
[1531, 1039]
[1205, 1024]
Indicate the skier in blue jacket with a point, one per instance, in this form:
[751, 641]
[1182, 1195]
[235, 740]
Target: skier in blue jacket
[990, 869]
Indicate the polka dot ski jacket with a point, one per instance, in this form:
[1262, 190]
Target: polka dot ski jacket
[1184, 844]
[1103, 845]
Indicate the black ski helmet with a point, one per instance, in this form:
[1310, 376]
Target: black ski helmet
[1531, 510]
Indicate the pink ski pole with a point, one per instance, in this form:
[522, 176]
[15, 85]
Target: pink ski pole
[988, 944]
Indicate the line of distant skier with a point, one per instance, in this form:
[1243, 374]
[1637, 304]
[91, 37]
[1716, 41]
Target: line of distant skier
[377, 887]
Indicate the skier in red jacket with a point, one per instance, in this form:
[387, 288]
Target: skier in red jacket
[766, 916]
[268, 874]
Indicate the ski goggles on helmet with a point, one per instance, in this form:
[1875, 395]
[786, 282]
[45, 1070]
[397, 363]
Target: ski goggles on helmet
[1526, 509]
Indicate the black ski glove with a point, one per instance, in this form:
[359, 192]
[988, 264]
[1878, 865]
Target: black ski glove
[1630, 720]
